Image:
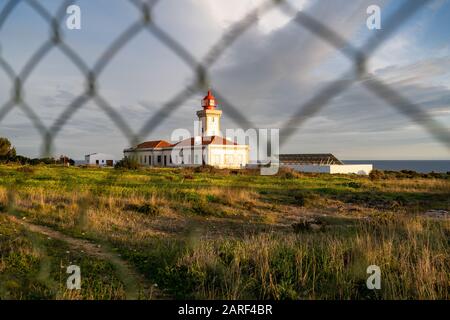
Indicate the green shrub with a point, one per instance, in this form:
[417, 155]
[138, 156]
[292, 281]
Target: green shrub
[127, 163]
[299, 199]
[202, 208]
[288, 173]
[189, 196]
[26, 169]
[146, 208]
[309, 225]
[376, 175]
[220, 200]
[354, 185]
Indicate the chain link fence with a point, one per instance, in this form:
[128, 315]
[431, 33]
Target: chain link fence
[357, 56]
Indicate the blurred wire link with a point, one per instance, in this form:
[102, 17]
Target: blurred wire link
[358, 73]
[358, 57]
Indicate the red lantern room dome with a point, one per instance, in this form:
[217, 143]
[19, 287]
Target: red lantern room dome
[209, 101]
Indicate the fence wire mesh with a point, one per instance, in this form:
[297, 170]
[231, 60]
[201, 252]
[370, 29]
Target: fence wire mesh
[200, 68]
[357, 56]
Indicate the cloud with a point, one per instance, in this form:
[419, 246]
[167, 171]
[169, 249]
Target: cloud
[271, 70]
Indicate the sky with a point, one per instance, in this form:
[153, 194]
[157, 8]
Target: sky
[268, 73]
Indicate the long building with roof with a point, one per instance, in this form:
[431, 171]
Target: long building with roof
[209, 148]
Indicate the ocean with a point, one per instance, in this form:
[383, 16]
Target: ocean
[422, 166]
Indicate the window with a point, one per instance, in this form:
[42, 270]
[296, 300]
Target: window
[196, 159]
[159, 159]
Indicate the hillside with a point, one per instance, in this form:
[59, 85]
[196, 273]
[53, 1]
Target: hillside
[221, 234]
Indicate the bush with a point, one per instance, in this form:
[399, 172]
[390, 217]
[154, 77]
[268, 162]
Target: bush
[212, 170]
[147, 209]
[204, 169]
[6, 149]
[299, 199]
[376, 175]
[406, 174]
[354, 185]
[20, 159]
[288, 173]
[199, 204]
[45, 161]
[312, 224]
[26, 169]
[127, 163]
[203, 209]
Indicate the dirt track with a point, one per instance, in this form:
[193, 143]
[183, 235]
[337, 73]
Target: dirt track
[136, 286]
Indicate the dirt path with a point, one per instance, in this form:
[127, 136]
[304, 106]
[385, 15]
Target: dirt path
[136, 286]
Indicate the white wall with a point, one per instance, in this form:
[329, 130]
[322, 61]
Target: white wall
[101, 157]
[215, 155]
[228, 156]
[362, 169]
[210, 122]
[150, 157]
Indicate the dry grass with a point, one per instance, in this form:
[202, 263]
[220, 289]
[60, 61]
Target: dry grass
[229, 236]
[325, 265]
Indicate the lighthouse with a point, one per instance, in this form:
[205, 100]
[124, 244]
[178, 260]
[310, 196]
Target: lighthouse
[209, 116]
[208, 149]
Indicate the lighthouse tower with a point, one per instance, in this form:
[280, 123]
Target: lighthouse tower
[209, 116]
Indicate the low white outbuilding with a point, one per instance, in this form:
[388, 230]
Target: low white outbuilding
[100, 159]
[361, 169]
[322, 163]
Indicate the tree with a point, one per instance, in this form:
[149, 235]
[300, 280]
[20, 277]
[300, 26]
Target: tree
[6, 150]
[66, 160]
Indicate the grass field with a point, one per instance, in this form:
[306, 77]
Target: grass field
[210, 234]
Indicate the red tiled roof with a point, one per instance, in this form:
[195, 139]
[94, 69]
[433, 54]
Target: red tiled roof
[216, 140]
[154, 144]
[206, 141]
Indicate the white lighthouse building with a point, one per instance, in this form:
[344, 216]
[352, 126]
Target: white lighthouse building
[210, 148]
[209, 116]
